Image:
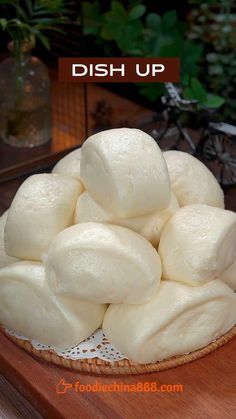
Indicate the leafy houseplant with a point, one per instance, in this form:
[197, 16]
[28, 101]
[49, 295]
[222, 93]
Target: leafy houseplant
[25, 111]
[137, 33]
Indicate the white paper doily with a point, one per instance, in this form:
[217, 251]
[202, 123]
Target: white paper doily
[96, 346]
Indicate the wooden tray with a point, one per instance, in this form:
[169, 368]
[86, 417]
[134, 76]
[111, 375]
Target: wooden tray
[208, 388]
[98, 366]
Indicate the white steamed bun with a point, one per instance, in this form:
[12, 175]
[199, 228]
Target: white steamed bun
[191, 181]
[198, 244]
[180, 319]
[149, 226]
[103, 263]
[229, 276]
[28, 306]
[42, 207]
[4, 258]
[124, 171]
[69, 165]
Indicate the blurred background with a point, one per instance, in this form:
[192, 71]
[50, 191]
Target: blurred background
[201, 33]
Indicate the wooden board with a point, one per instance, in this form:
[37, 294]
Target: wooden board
[208, 388]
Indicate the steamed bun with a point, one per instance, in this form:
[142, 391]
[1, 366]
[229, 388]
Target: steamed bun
[42, 207]
[229, 276]
[125, 172]
[149, 226]
[198, 244]
[4, 258]
[28, 307]
[178, 320]
[103, 263]
[191, 181]
[69, 165]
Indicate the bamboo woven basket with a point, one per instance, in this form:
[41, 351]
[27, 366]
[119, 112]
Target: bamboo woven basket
[123, 367]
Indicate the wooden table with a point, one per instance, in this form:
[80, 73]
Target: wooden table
[13, 405]
[209, 384]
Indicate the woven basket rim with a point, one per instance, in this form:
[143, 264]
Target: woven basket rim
[123, 367]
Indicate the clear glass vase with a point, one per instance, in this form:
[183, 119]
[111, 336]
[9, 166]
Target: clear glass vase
[25, 108]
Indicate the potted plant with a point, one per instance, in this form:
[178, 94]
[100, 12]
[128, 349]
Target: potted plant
[24, 83]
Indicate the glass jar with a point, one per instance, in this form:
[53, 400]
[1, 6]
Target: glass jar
[25, 108]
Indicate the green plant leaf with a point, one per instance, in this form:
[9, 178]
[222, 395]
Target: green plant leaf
[153, 21]
[17, 23]
[130, 34]
[18, 9]
[42, 27]
[185, 80]
[151, 91]
[107, 32]
[93, 19]
[214, 101]
[38, 6]
[189, 54]
[112, 17]
[44, 40]
[118, 10]
[169, 20]
[174, 49]
[199, 92]
[188, 93]
[3, 24]
[52, 6]
[124, 32]
[29, 6]
[137, 11]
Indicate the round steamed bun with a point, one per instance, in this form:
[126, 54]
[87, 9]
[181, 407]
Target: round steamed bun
[103, 263]
[42, 207]
[28, 306]
[229, 276]
[4, 258]
[149, 226]
[198, 244]
[191, 181]
[69, 165]
[178, 320]
[125, 172]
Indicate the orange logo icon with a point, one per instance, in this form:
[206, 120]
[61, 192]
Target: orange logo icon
[63, 386]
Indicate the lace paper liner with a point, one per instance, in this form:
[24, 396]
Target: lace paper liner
[95, 346]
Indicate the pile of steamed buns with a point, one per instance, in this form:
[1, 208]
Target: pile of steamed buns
[123, 236]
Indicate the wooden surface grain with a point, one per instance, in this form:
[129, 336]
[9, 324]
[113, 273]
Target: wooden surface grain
[208, 388]
[13, 405]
